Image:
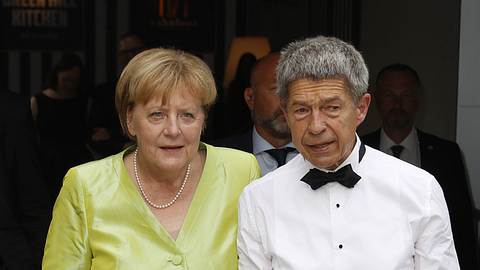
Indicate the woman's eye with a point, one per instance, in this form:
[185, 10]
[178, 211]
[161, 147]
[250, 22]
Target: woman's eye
[187, 117]
[157, 115]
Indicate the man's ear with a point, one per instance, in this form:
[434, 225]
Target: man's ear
[249, 98]
[362, 107]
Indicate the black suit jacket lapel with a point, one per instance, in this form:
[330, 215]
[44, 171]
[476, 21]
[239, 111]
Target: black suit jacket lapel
[427, 153]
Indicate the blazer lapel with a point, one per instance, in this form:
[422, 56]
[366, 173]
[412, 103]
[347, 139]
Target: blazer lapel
[427, 153]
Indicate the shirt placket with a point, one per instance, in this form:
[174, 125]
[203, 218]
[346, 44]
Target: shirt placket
[337, 214]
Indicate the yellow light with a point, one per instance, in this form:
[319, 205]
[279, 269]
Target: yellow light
[256, 45]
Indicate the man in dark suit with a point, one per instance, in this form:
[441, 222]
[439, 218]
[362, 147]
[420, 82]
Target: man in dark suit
[269, 139]
[396, 95]
[24, 201]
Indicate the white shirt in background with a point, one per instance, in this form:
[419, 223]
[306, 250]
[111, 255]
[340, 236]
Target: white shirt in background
[267, 162]
[411, 151]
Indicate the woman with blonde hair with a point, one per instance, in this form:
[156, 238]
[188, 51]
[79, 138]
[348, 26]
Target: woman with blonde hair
[167, 202]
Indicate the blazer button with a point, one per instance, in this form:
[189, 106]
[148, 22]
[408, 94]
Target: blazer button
[176, 260]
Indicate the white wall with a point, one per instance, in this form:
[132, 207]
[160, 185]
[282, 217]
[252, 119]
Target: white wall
[468, 123]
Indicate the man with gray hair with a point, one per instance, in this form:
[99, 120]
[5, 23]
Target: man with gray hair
[339, 204]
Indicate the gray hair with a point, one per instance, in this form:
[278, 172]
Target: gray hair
[321, 58]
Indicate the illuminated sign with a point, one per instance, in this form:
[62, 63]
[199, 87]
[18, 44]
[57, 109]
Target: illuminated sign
[41, 24]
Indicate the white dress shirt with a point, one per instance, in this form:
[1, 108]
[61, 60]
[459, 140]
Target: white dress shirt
[267, 162]
[411, 147]
[394, 218]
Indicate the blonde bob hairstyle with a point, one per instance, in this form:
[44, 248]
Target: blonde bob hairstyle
[158, 73]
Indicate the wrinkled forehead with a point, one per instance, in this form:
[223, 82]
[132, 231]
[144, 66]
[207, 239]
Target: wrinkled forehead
[310, 84]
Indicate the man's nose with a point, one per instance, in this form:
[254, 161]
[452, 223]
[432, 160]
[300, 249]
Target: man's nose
[397, 101]
[317, 122]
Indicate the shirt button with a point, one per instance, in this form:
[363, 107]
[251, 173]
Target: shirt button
[338, 205]
[340, 246]
[176, 260]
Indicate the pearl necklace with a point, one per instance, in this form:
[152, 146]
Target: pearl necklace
[144, 195]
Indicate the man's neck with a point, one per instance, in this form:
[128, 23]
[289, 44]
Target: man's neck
[274, 141]
[397, 135]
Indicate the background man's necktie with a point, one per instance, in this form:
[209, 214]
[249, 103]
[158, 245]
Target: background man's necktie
[280, 154]
[397, 150]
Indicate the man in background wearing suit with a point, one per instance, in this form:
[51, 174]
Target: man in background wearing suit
[24, 201]
[398, 99]
[269, 139]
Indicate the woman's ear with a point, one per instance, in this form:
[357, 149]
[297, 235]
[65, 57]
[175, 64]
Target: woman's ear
[130, 124]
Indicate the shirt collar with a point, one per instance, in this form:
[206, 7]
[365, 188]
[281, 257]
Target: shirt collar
[409, 143]
[352, 159]
[260, 144]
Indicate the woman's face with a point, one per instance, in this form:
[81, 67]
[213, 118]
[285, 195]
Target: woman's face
[168, 134]
[69, 80]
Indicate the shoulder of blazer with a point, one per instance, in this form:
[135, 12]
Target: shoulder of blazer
[431, 143]
[241, 142]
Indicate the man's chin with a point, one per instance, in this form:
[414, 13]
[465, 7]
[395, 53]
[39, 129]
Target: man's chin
[397, 123]
[281, 132]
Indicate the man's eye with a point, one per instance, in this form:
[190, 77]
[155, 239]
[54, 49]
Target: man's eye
[301, 110]
[333, 108]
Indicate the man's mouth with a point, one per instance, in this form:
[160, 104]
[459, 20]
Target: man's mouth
[320, 147]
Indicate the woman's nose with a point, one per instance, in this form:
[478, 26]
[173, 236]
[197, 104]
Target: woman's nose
[172, 127]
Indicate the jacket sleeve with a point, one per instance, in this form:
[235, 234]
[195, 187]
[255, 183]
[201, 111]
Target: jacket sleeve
[67, 245]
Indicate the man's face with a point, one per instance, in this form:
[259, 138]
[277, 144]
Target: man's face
[263, 102]
[397, 99]
[128, 48]
[323, 119]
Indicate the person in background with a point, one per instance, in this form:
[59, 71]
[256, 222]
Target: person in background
[166, 202]
[339, 204]
[59, 113]
[106, 136]
[24, 201]
[269, 138]
[397, 96]
[236, 118]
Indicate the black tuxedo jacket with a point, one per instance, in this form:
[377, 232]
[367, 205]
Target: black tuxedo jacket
[241, 142]
[24, 203]
[443, 160]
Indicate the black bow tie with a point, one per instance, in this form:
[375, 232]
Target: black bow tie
[345, 175]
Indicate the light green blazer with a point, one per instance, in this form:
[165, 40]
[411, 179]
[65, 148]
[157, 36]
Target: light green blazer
[100, 220]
